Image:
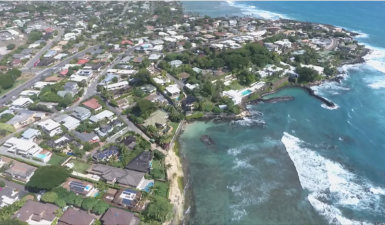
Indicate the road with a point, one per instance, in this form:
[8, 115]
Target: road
[46, 72]
[14, 185]
[48, 46]
[333, 44]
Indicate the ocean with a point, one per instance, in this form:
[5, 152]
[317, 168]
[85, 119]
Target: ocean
[300, 162]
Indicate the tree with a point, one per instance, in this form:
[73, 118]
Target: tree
[11, 47]
[187, 45]
[307, 74]
[70, 198]
[47, 178]
[160, 209]
[34, 36]
[145, 106]
[60, 202]
[101, 207]
[2, 183]
[78, 201]
[66, 101]
[89, 203]
[13, 221]
[143, 75]
[115, 80]
[49, 197]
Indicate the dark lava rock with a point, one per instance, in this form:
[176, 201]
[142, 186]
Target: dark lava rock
[207, 140]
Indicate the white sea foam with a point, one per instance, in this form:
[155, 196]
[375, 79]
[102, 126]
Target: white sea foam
[330, 108]
[241, 164]
[329, 181]
[236, 151]
[252, 10]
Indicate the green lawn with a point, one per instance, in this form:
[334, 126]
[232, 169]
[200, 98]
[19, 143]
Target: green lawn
[174, 127]
[79, 167]
[156, 164]
[17, 83]
[56, 160]
[161, 189]
[234, 85]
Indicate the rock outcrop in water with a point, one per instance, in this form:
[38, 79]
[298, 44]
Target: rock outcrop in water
[271, 100]
[207, 140]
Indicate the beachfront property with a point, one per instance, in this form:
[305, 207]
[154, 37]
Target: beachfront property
[237, 96]
[115, 216]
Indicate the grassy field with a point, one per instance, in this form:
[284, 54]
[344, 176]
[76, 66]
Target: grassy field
[56, 160]
[79, 167]
[17, 83]
[156, 164]
[174, 127]
[161, 189]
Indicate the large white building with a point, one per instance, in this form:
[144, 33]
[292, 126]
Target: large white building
[102, 115]
[51, 127]
[22, 147]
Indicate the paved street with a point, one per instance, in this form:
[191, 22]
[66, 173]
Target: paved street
[15, 185]
[48, 46]
[46, 72]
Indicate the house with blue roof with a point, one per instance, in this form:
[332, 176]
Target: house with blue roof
[106, 154]
[108, 79]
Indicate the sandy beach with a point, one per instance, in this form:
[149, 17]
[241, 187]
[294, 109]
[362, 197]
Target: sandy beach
[175, 194]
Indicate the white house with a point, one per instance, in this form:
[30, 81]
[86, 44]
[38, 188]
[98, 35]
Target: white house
[173, 90]
[41, 84]
[21, 102]
[116, 86]
[51, 127]
[102, 115]
[68, 121]
[22, 146]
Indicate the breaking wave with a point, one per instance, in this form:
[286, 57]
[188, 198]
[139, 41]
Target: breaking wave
[330, 185]
[254, 11]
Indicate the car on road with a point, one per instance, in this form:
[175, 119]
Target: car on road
[4, 96]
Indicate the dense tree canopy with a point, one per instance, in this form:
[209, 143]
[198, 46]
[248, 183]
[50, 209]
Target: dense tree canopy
[307, 74]
[159, 210]
[100, 207]
[47, 178]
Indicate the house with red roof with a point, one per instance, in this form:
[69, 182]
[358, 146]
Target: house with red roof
[92, 104]
[49, 30]
[82, 61]
[127, 42]
[16, 62]
[64, 72]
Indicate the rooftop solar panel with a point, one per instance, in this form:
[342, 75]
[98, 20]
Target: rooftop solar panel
[126, 201]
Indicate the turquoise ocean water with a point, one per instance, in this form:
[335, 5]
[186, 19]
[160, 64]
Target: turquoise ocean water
[299, 163]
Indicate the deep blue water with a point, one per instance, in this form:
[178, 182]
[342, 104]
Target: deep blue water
[309, 164]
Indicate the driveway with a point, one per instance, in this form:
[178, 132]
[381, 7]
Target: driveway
[17, 186]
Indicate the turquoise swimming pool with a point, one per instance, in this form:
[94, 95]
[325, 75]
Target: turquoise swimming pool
[247, 92]
[40, 156]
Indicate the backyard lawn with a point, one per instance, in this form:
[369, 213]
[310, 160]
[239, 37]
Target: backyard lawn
[79, 167]
[158, 165]
[56, 160]
[174, 127]
[161, 189]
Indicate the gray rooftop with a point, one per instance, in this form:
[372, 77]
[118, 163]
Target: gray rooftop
[30, 132]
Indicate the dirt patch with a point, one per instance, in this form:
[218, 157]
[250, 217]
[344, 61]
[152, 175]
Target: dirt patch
[28, 197]
[26, 76]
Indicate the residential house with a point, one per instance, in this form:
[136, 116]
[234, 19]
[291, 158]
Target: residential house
[22, 147]
[188, 102]
[105, 129]
[115, 216]
[176, 63]
[68, 121]
[45, 62]
[35, 213]
[28, 93]
[51, 127]
[16, 62]
[41, 84]
[75, 217]
[20, 171]
[129, 142]
[102, 115]
[50, 54]
[81, 113]
[148, 88]
[122, 103]
[86, 137]
[22, 119]
[116, 86]
[8, 196]
[183, 76]
[114, 175]
[156, 97]
[31, 134]
[142, 163]
[79, 187]
[21, 102]
[93, 104]
[106, 154]
[173, 90]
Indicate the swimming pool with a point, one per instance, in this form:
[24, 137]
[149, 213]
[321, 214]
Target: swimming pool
[147, 188]
[246, 92]
[40, 156]
[96, 194]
